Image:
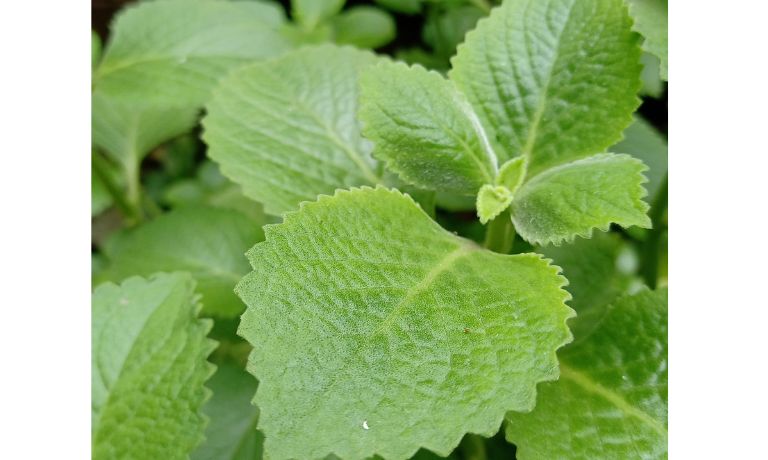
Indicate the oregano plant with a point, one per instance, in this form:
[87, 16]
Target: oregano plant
[380, 253]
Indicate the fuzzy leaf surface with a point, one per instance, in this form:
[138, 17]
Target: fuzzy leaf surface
[148, 367]
[424, 129]
[171, 53]
[643, 141]
[555, 80]
[286, 129]
[611, 399]
[651, 21]
[575, 198]
[208, 242]
[371, 323]
[231, 432]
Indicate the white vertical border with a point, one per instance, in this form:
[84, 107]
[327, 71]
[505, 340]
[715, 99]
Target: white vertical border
[718, 156]
[45, 237]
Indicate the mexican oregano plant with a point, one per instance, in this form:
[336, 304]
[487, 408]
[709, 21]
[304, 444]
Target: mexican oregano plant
[375, 331]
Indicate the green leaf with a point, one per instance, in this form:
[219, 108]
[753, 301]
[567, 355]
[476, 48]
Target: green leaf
[492, 201]
[653, 86]
[231, 433]
[577, 197]
[512, 173]
[424, 129]
[611, 399]
[129, 131]
[643, 141]
[446, 28]
[286, 130]
[555, 80]
[310, 13]
[95, 49]
[651, 21]
[401, 6]
[371, 323]
[364, 27]
[172, 53]
[148, 367]
[207, 242]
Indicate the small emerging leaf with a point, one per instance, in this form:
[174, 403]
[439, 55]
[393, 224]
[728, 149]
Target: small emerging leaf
[371, 323]
[577, 197]
[424, 129]
[512, 173]
[148, 368]
[611, 399]
[492, 201]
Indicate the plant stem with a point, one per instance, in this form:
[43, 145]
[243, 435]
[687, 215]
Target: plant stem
[133, 187]
[473, 447]
[649, 268]
[500, 234]
[101, 168]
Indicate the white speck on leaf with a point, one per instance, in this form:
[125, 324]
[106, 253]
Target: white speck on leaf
[123, 301]
[365, 425]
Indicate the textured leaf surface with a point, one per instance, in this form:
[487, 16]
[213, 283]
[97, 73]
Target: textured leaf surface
[575, 198]
[207, 242]
[424, 129]
[148, 368]
[286, 130]
[370, 323]
[231, 432]
[491, 201]
[171, 53]
[364, 27]
[611, 399]
[643, 141]
[553, 79]
[651, 21]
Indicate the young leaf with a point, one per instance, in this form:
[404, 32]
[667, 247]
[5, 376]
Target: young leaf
[148, 367]
[492, 200]
[310, 13]
[231, 432]
[371, 323]
[171, 53]
[424, 129]
[651, 21]
[611, 399]
[643, 141]
[575, 198]
[555, 80]
[512, 173]
[207, 242]
[285, 130]
[364, 27]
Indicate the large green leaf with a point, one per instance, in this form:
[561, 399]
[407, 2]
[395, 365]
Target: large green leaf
[207, 242]
[575, 198]
[611, 399]
[651, 21]
[376, 331]
[171, 53]
[286, 129]
[148, 367]
[424, 129]
[231, 432]
[643, 141]
[555, 80]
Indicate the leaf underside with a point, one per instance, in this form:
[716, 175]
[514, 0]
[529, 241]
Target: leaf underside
[370, 323]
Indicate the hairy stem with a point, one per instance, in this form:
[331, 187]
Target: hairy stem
[649, 268]
[500, 234]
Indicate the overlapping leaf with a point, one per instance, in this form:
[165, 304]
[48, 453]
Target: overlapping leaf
[285, 130]
[611, 399]
[148, 368]
[643, 141]
[651, 21]
[370, 323]
[555, 80]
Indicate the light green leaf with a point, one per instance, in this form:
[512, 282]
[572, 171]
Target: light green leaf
[424, 129]
[172, 53]
[643, 141]
[555, 80]
[651, 21]
[129, 131]
[364, 27]
[207, 242]
[653, 86]
[95, 49]
[512, 173]
[611, 399]
[286, 130]
[148, 367]
[371, 323]
[492, 201]
[310, 13]
[575, 198]
[231, 432]
[401, 6]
